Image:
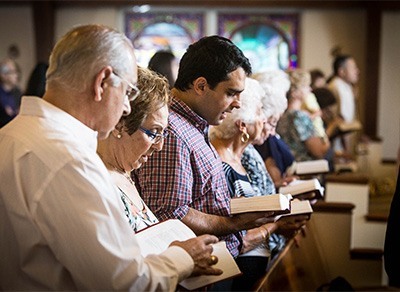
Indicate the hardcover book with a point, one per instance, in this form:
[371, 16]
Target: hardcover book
[307, 189]
[277, 203]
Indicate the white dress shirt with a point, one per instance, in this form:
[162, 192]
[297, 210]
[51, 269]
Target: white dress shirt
[346, 99]
[62, 225]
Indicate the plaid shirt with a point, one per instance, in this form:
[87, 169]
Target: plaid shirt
[187, 173]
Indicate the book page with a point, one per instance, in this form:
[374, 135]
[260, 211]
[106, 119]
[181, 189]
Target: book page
[297, 207]
[156, 239]
[225, 263]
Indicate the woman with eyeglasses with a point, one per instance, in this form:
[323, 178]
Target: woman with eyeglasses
[133, 140]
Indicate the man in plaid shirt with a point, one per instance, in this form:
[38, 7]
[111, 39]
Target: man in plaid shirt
[185, 180]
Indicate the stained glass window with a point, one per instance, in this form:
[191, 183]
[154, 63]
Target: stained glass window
[269, 41]
[151, 32]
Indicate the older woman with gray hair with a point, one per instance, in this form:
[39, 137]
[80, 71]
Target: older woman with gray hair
[275, 85]
[276, 154]
[238, 130]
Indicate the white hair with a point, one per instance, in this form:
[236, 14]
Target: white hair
[250, 100]
[84, 51]
[276, 84]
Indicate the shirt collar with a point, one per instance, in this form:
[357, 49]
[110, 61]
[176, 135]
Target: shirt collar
[183, 109]
[38, 107]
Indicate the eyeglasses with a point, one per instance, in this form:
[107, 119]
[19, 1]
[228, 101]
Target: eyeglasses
[154, 137]
[132, 92]
[273, 126]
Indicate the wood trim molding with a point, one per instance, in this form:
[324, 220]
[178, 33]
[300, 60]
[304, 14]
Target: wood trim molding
[333, 207]
[43, 15]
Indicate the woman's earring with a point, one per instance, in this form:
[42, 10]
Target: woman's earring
[119, 136]
[245, 137]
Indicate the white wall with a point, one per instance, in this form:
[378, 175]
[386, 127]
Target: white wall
[16, 27]
[66, 18]
[389, 86]
[322, 30]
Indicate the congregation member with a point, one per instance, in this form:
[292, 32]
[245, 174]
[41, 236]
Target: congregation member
[274, 90]
[236, 132]
[10, 94]
[296, 127]
[186, 179]
[343, 85]
[133, 140]
[274, 151]
[61, 218]
[166, 64]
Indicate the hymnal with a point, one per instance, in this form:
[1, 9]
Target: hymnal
[312, 167]
[346, 127]
[277, 203]
[307, 187]
[156, 238]
[299, 207]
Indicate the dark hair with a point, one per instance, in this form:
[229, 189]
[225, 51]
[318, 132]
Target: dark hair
[339, 62]
[213, 58]
[154, 94]
[324, 96]
[37, 81]
[315, 74]
[161, 62]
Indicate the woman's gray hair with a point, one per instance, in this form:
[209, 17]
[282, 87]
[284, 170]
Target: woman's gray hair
[276, 84]
[96, 47]
[250, 100]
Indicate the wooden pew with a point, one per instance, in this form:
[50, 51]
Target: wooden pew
[302, 265]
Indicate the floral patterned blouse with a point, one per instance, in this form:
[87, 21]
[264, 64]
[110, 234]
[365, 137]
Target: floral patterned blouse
[295, 127]
[260, 179]
[137, 212]
[262, 184]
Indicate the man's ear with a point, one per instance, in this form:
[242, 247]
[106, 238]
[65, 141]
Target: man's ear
[200, 85]
[341, 71]
[102, 80]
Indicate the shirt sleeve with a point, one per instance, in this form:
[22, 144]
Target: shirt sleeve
[165, 181]
[86, 229]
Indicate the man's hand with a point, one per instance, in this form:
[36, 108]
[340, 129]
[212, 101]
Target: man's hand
[200, 249]
[251, 220]
[289, 225]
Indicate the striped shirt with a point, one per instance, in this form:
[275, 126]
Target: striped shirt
[187, 173]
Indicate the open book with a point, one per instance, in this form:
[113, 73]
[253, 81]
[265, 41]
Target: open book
[298, 207]
[308, 189]
[156, 238]
[277, 203]
[346, 127]
[311, 167]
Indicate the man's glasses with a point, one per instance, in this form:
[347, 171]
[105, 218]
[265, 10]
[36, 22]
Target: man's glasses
[132, 92]
[154, 137]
